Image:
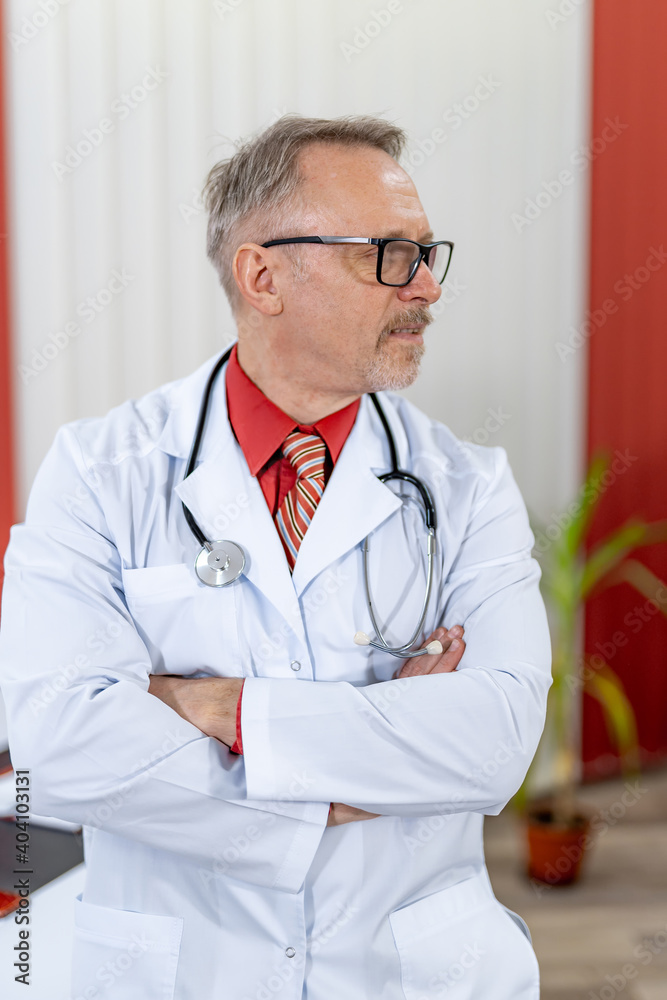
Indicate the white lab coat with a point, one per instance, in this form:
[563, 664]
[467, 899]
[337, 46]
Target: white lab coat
[215, 875]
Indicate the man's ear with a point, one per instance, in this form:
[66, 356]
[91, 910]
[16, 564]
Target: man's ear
[257, 275]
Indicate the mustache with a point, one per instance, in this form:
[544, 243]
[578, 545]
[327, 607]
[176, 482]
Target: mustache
[409, 317]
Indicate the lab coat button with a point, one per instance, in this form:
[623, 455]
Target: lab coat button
[295, 665]
[290, 952]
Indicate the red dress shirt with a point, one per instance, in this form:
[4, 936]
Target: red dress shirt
[260, 427]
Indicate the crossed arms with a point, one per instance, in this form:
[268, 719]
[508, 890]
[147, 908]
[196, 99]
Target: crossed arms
[209, 703]
[107, 753]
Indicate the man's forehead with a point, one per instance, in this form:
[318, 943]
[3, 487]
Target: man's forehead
[356, 167]
[362, 185]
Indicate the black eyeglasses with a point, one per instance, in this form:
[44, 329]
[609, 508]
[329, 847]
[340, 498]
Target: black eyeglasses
[397, 259]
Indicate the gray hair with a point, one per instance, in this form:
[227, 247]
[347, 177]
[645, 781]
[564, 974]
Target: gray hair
[253, 193]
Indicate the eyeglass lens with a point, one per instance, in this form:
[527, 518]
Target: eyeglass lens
[400, 257]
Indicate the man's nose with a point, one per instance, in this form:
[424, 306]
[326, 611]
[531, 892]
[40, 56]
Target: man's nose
[423, 286]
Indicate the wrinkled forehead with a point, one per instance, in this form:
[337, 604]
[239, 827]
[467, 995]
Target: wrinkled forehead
[359, 191]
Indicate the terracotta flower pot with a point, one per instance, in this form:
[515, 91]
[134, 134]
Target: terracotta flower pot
[555, 849]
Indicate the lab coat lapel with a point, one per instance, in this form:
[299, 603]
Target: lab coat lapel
[227, 502]
[354, 502]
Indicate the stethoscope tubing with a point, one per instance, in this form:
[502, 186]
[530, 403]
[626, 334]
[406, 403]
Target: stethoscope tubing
[217, 551]
[196, 443]
[383, 644]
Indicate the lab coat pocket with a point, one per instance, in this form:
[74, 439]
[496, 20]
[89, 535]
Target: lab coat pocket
[155, 584]
[187, 627]
[123, 954]
[458, 943]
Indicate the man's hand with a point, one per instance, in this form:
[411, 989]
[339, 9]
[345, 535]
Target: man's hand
[453, 648]
[209, 703]
[347, 814]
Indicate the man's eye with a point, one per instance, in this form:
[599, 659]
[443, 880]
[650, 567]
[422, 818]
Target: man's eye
[361, 253]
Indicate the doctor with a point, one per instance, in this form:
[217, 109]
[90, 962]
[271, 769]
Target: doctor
[269, 808]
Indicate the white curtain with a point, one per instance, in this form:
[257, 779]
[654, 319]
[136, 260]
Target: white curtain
[119, 107]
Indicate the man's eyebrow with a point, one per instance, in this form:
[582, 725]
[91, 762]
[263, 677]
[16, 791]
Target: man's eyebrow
[400, 234]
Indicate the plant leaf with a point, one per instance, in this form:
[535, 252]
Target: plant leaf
[605, 686]
[610, 552]
[590, 495]
[641, 578]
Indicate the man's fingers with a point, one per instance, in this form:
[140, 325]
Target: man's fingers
[450, 659]
[342, 813]
[415, 666]
[439, 663]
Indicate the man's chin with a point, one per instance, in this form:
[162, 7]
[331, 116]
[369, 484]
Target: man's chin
[397, 368]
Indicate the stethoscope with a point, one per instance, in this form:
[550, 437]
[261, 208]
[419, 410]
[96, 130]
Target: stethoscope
[221, 563]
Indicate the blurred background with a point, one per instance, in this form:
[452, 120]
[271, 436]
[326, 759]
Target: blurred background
[537, 143]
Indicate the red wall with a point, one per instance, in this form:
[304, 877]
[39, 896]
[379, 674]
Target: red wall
[628, 354]
[7, 507]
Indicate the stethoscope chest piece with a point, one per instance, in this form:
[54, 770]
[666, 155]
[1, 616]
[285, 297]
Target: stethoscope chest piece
[220, 563]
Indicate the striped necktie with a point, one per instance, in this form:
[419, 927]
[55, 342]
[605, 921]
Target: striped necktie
[306, 452]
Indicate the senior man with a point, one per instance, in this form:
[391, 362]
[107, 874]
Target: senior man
[269, 807]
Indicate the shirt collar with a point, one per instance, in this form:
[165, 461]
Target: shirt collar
[260, 427]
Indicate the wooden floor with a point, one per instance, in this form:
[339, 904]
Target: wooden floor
[605, 937]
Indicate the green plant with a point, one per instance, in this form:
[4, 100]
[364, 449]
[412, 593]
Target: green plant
[569, 577]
